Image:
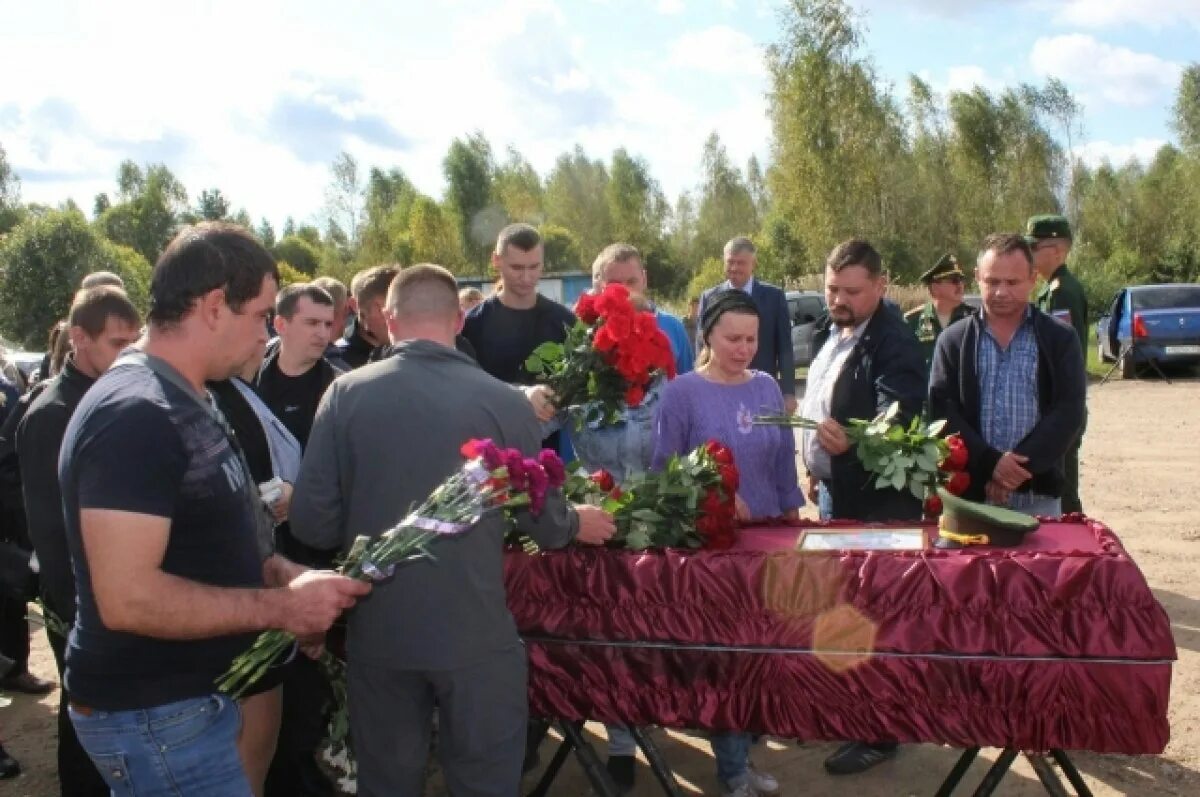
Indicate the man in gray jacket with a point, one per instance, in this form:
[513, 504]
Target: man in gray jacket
[439, 633]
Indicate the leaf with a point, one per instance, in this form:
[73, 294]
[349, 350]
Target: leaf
[882, 483]
[611, 505]
[647, 515]
[917, 489]
[898, 480]
[638, 538]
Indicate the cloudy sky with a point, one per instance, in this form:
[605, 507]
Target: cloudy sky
[257, 97]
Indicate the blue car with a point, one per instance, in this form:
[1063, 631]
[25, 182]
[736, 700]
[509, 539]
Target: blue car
[1160, 322]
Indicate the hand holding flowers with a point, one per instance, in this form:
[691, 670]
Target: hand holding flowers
[691, 503]
[609, 359]
[913, 457]
[491, 478]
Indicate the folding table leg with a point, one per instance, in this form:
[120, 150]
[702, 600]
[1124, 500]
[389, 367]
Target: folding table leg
[1154, 365]
[596, 773]
[1046, 775]
[1068, 768]
[996, 774]
[956, 775]
[658, 764]
[547, 780]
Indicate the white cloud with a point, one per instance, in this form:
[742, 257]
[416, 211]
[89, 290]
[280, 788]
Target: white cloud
[718, 50]
[967, 77]
[1142, 150]
[1154, 14]
[1115, 74]
[935, 8]
[670, 7]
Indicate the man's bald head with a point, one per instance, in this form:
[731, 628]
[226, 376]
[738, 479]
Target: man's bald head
[423, 291]
[422, 303]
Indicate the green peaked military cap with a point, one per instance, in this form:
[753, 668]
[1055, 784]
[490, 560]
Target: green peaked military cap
[947, 266]
[966, 522]
[1040, 227]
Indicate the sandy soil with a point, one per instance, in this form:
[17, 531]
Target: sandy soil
[1140, 462]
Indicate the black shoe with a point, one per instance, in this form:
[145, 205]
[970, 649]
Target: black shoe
[623, 769]
[854, 757]
[28, 683]
[9, 768]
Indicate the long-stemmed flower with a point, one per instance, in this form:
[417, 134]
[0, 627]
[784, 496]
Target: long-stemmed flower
[491, 478]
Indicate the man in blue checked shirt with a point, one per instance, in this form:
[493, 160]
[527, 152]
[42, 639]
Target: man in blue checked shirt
[1011, 381]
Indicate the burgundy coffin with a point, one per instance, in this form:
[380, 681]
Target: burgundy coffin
[1056, 644]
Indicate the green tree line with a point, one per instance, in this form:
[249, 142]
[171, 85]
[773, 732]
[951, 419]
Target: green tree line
[916, 172]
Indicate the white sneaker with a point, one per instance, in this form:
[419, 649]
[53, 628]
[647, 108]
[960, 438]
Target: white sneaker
[741, 787]
[762, 783]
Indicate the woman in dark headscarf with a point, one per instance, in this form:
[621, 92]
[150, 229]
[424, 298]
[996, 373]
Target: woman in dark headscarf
[718, 401]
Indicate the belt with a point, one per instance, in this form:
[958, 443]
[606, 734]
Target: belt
[81, 709]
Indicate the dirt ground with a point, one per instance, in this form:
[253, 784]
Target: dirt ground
[1140, 460]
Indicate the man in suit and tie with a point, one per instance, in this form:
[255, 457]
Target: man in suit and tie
[774, 326]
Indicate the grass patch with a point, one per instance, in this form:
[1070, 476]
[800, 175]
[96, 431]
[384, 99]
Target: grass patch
[1095, 367]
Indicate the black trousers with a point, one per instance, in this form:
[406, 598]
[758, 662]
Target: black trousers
[294, 771]
[1070, 496]
[14, 634]
[77, 775]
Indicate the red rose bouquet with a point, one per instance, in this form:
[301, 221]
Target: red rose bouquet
[689, 504]
[609, 359]
[491, 478]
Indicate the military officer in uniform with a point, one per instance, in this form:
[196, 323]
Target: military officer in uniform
[945, 305]
[1061, 296]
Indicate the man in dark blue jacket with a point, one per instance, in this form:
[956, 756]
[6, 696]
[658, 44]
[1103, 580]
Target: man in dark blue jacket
[867, 359]
[1011, 381]
[774, 354]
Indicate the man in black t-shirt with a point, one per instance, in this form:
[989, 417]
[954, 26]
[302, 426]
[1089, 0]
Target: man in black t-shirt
[159, 510]
[102, 323]
[295, 373]
[514, 321]
[341, 306]
[293, 377]
[509, 325]
[368, 331]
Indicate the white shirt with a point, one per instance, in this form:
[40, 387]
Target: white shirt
[818, 395]
[748, 287]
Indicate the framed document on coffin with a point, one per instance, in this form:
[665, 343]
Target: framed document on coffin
[866, 538]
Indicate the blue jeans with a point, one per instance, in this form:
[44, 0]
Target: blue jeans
[183, 748]
[732, 751]
[824, 502]
[1034, 504]
[620, 741]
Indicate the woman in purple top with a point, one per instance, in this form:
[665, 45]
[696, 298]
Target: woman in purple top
[718, 401]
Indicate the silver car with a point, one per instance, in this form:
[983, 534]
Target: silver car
[804, 309]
